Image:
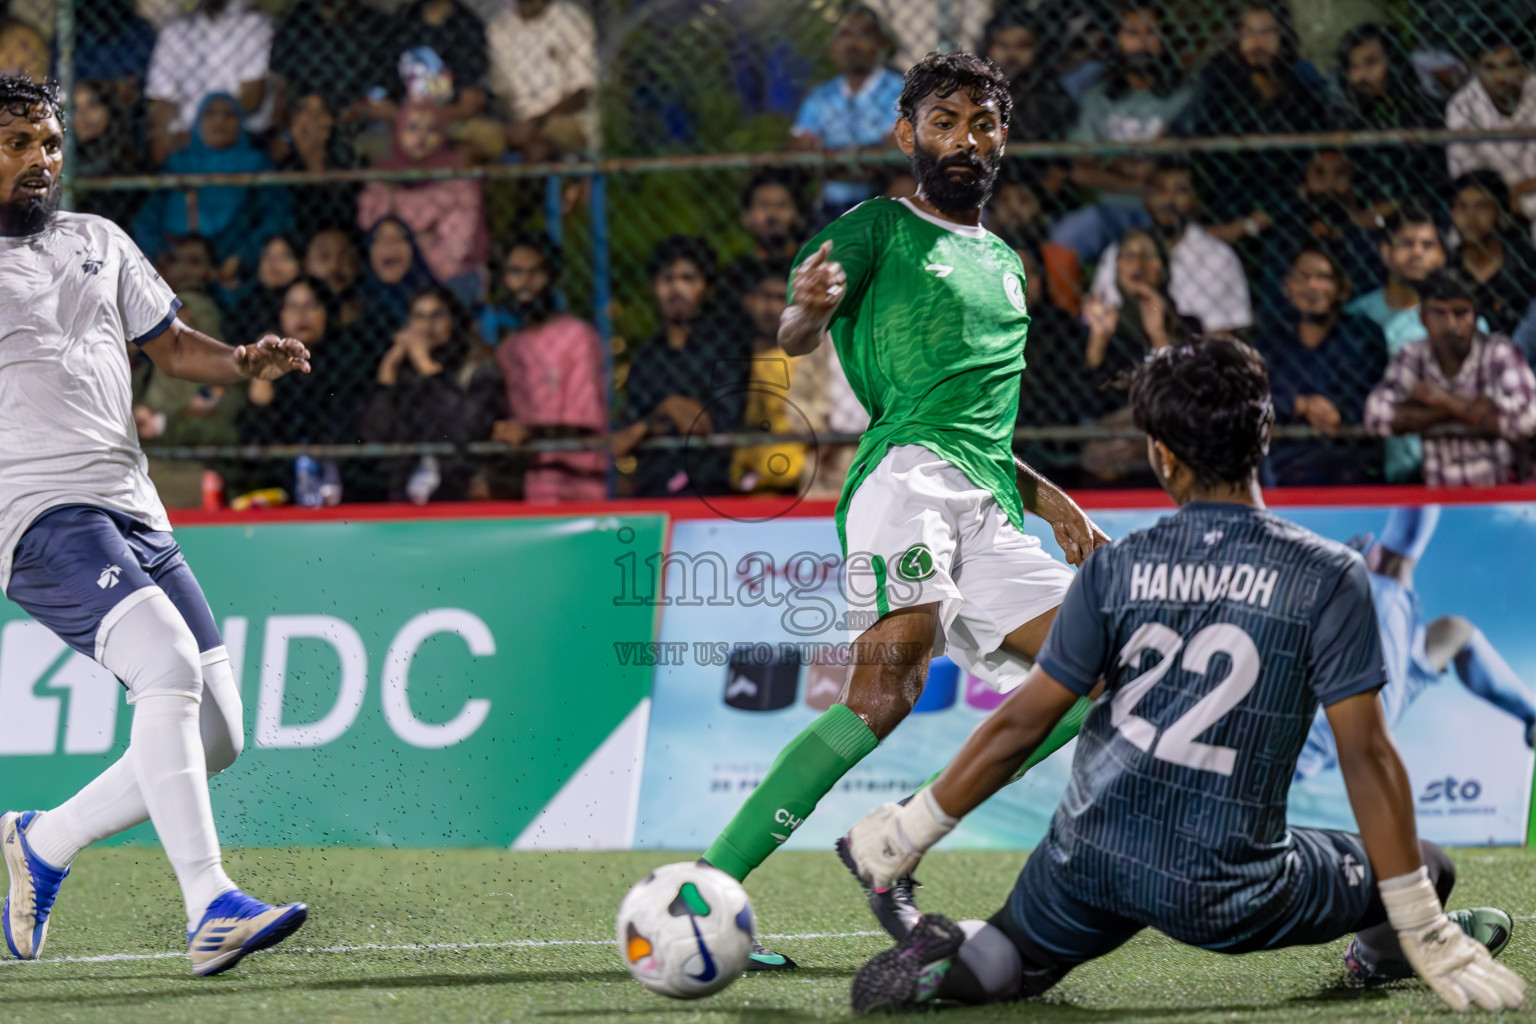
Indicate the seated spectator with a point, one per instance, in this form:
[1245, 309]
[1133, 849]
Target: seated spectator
[1375, 89]
[1411, 249]
[113, 46]
[769, 468]
[188, 265]
[446, 215]
[556, 381]
[256, 306]
[1205, 277]
[312, 143]
[23, 51]
[235, 218]
[426, 390]
[1501, 94]
[1017, 214]
[771, 217]
[1458, 375]
[221, 48]
[319, 407]
[1119, 340]
[309, 39]
[1137, 101]
[104, 145]
[918, 27]
[856, 110]
[1015, 41]
[433, 51]
[1056, 388]
[1258, 85]
[395, 271]
[1323, 363]
[689, 379]
[543, 57]
[1144, 317]
[1325, 207]
[332, 257]
[1498, 261]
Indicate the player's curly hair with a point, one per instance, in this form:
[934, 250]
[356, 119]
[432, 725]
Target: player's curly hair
[19, 96]
[1209, 403]
[942, 74]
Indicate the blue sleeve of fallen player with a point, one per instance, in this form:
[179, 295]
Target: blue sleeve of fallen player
[1345, 649]
[1076, 650]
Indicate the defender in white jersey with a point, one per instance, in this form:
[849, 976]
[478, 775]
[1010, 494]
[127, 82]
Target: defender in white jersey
[85, 547]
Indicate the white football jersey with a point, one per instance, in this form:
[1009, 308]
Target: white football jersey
[73, 298]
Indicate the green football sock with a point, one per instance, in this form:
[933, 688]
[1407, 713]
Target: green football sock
[805, 771]
[1066, 728]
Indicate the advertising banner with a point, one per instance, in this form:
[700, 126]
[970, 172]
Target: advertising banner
[420, 683]
[750, 625]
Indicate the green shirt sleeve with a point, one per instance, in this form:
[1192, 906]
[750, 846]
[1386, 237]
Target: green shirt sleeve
[857, 238]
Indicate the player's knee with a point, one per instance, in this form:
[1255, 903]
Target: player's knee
[988, 968]
[1442, 872]
[151, 649]
[223, 717]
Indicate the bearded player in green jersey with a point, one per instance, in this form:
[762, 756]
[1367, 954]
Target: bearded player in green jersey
[926, 308]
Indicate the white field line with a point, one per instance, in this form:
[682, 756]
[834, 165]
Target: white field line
[112, 958]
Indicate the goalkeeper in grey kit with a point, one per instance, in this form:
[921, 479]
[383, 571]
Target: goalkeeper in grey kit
[1218, 633]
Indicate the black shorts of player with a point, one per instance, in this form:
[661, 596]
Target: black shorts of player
[76, 565]
[1333, 894]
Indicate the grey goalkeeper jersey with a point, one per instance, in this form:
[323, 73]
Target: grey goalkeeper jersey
[1218, 631]
[72, 298]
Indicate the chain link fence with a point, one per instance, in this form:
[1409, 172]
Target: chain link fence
[539, 247]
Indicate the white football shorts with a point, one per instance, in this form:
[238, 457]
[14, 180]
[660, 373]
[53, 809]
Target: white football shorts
[919, 531]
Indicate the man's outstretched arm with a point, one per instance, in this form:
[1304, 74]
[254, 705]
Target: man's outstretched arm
[188, 354]
[818, 286]
[1077, 534]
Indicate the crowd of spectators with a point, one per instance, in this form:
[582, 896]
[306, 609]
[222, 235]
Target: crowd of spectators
[1390, 287]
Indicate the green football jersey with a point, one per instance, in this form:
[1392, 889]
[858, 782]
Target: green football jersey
[931, 335]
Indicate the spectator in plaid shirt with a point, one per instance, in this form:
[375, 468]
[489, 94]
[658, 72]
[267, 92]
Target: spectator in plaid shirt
[1458, 375]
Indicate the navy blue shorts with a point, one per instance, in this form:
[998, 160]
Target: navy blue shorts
[1332, 887]
[77, 563]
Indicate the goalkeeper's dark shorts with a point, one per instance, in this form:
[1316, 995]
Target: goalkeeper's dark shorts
[1328, 891]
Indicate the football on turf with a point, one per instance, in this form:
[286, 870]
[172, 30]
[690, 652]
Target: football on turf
[685, 930]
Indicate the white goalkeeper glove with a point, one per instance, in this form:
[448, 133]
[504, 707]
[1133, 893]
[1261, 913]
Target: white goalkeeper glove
[892, 838]
[1455, 965]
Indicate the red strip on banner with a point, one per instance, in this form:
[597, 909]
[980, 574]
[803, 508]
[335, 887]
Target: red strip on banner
[755, 509]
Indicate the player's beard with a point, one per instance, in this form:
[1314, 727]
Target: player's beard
[22, 217]
[954, 196]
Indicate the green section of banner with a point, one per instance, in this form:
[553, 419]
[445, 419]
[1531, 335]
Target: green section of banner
[420, 683]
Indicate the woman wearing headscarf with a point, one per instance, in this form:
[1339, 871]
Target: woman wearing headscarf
[436, 384]
[447, 215]
[254, 308]
[235, 218]
[394, 271]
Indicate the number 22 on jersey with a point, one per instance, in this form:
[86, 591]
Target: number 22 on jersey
[1177, 743]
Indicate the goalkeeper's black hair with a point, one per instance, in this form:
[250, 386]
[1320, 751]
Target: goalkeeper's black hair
[943, 74]
[1209, 403]
[19, 97]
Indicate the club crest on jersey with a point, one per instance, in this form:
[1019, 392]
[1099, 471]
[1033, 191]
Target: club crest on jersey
[1015, 289]
[915, 564]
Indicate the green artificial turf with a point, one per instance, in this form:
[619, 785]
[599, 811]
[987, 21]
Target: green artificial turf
[396, 905]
